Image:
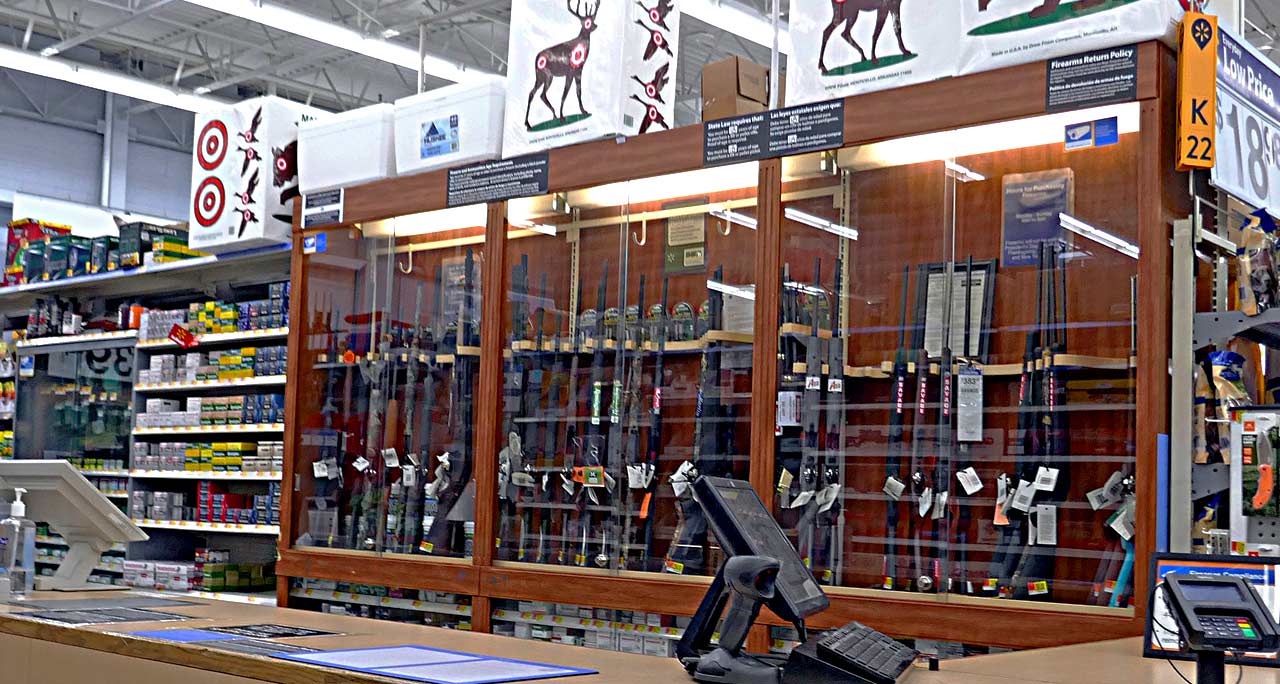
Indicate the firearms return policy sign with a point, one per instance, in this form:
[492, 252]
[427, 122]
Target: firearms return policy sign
[1092, 78]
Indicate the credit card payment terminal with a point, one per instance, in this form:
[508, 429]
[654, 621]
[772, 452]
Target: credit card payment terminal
[1216, 614]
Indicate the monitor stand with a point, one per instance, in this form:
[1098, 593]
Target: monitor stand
[73, 573]
[1210, 667]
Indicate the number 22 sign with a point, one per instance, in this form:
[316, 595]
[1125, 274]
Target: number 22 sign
[1197, 66]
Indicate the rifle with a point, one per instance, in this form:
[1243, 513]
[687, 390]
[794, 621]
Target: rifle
[454, 473]
[929, 577]
[396, 527]
[369, 525]
[571, 441]
[810, 415]
[893, 458]
[918, 484]
[633, 459]
[832, 477]
[591, 475]
[964, 454]
[551, 432]
[686, 553]
[420, 457]
[659, 334]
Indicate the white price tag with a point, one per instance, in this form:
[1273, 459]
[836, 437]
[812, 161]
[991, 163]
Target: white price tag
[827, 497]
[939, 505]
[390, 457]
[925, 501]
[409, 477]
[1109, 493]
[969, 404]
[320, 470]
[1047, 525]
[361, 464]
[335, 471]
[1046, 479]
[835, 385]
[788, 409]
[1022, 496]
[803, 498]
[970, 481]
[812, 382]
[894, 488]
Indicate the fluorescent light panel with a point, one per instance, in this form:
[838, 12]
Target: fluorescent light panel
[307, 26]
[1098, 235]
[732, 290]
[731, 216]
[104, 80]
[820, 223]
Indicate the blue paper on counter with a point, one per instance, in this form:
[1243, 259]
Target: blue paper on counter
[434, 665]
[183, 636]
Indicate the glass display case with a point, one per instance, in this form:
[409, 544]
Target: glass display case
[956, 405]
[629, 316]
[389, 363]
[77, 403]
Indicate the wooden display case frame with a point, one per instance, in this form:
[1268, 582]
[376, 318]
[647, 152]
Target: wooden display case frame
[1005, 94]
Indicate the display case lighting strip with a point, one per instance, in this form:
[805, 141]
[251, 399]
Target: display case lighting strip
[731, 290]
[821, 223]
[1098, 235]
[732, 216]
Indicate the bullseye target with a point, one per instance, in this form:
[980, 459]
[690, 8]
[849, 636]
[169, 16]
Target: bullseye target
[210, 200]
[650, 90]
[211, 145]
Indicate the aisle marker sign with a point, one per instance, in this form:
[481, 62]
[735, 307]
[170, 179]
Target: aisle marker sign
[1197, 69]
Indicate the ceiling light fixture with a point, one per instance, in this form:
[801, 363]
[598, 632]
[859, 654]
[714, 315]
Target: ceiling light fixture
[821, 223]
[307, 26]
[1098, 235]
[102, 79]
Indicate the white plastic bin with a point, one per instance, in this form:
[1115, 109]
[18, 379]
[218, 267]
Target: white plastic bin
[347, 149]
[449, 126]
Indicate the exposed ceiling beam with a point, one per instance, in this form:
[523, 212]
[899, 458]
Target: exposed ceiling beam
[85, 36]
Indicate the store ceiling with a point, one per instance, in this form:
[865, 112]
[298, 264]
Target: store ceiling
[184, 43]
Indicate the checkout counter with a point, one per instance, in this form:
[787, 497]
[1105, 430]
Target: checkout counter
[39, 652]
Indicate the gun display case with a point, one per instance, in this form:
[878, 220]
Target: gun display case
[795, 322]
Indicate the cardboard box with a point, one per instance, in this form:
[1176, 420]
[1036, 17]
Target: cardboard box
[722, 107]
[136, 240]
[736, 76]
[24, 233]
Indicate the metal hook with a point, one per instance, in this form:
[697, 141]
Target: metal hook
[725, 227]
[644, 230]
[403, 269]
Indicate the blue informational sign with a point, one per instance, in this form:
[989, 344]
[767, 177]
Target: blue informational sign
[312, 244]
[439, 137]
[1032, 203]
[1106, 132]
[435, 665]
[1089, 134]
[1079, 136]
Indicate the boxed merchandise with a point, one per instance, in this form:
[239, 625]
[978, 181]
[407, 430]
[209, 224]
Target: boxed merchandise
[244, 174]
[631, 643]
[349, 148]
[32, 263]
[448, 126]
[658, 646]
[614, 63]
[23, 233]
[735, 86]
[101, 250]
[137, 238]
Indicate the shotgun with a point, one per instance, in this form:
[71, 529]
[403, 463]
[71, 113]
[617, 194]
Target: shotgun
[830, 513]
[811, 414]
[659, 336]
[893, 459]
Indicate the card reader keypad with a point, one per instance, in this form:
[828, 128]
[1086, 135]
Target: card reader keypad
[1220, 627]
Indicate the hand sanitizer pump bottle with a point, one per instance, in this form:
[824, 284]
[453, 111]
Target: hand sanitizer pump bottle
[18, 547]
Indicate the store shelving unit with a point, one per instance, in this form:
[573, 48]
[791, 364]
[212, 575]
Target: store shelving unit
[194, 526]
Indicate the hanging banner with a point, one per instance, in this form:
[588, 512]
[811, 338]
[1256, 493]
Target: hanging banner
[1248, 124]
[1001, 33]
[848, 47]
[587, 69]
[244, 174]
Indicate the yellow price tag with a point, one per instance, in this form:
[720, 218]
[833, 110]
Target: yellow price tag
[888, 582]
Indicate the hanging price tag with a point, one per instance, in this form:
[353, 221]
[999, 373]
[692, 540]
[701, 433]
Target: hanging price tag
[361, 464]
[925, 501]
[970, 481]
[1022, 496]
[939, 506]
[320, 470]
[1046, 479]
[969, 404]
[391, 458]
[1047, 525]
[788, 409]
[894, 488]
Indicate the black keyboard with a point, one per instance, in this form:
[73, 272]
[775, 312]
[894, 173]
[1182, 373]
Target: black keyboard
[865, 652]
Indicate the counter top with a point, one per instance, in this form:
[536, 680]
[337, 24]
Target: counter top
[1109, 662]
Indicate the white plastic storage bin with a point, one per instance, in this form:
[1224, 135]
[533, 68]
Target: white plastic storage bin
[449, 126]
[347, 149]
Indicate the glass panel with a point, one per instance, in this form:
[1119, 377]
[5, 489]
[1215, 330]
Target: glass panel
[413, 606]
[76, 404]
[629, 320]
[388, 435]
[976, 364]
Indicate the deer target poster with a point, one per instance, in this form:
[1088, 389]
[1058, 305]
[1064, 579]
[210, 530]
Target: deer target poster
[585, 69]
[999, 33]
[847, 47]
[244, 174]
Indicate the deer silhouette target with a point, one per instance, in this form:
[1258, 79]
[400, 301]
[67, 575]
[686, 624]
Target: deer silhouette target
[565, 60]
[847, 11]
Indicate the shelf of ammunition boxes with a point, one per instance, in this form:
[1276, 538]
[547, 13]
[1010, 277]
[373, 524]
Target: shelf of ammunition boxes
[77, 340]
[205, 475]
[536, 618]
[104, 473]
[383, 601]
[220, 338]
[230, 528]
[232, 383]
[197, 430]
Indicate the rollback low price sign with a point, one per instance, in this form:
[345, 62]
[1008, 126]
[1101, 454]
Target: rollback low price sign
[1248, 126]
